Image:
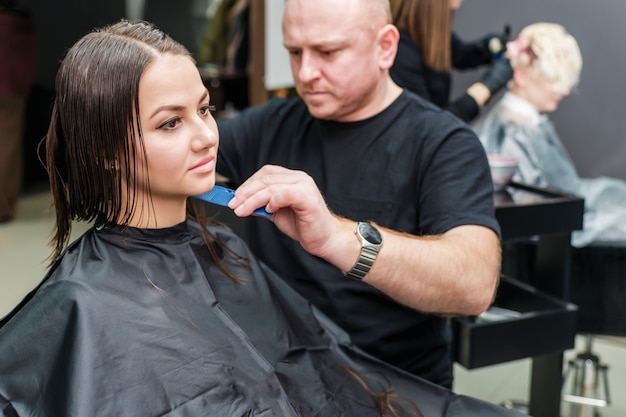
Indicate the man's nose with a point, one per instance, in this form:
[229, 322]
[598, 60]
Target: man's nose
[309, 67]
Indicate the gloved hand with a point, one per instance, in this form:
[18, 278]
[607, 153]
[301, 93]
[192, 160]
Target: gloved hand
[492, 44]
[498, 75]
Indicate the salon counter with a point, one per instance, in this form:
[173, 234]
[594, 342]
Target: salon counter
[530, 319]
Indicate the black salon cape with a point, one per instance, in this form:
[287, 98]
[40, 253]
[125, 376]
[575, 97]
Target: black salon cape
[140, 322]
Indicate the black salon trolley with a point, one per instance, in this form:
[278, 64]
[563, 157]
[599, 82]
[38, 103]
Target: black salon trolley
[532, 317]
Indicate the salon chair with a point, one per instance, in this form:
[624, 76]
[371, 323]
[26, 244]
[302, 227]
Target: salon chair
[598, 287]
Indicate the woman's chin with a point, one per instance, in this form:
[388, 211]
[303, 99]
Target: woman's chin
[206, 187]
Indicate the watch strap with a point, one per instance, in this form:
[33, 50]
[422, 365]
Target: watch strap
[365, 262]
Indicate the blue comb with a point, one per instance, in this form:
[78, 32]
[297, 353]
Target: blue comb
[222, 195]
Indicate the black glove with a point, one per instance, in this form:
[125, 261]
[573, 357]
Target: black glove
[498, 75]
[492, 44]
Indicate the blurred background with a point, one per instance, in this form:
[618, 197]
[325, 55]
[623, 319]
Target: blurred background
[591, 122]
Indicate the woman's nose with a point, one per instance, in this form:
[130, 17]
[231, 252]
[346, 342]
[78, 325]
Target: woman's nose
[205, 134]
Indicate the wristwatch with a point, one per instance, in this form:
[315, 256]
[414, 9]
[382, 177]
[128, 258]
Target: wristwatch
[371, 242]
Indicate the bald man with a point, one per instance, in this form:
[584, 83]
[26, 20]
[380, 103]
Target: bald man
[405, 234]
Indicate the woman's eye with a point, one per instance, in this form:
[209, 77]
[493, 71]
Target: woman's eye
[170, 124]
[208, 109]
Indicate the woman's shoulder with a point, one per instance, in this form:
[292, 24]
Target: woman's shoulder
[56, 295]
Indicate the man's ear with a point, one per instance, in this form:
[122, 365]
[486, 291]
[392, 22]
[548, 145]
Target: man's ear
[388, 38]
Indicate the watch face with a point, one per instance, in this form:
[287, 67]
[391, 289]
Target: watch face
[370, 233]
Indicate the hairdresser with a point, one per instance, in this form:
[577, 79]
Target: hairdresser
[429, 50]
[376, 153]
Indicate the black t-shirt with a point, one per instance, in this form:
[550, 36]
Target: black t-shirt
[412, 168]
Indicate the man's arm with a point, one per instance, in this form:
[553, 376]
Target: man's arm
[453, 273]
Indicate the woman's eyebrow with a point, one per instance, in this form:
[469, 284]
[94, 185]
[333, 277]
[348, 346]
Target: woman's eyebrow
[204, 95]
[177, 107]
[170, 107]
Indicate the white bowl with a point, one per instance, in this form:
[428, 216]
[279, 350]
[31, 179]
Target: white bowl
[502, 169]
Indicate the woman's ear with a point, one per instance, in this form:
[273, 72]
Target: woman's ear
[520, 77]
[388, 38]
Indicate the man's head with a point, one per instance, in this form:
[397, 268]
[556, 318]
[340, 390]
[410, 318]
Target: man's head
[340, 52]
[547, 64]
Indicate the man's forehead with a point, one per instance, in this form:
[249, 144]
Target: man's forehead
[341, 9]
[318, 28]
[316, 39]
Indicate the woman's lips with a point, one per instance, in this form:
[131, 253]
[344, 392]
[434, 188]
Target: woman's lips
[206, 165]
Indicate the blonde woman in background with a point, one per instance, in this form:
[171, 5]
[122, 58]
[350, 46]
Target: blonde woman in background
[547, 63]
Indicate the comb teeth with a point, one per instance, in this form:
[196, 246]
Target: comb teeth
[218, 195]
[221, 196]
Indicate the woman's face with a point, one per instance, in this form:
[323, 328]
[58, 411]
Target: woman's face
[455, 4]
[540, 93]
[180, 134]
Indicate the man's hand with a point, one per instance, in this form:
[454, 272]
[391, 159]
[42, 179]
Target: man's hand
[297, 206]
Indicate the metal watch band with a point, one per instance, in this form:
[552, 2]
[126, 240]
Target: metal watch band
[365, 262]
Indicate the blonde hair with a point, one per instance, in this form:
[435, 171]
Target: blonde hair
[550, 52]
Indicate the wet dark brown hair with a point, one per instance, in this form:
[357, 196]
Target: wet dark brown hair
[387, 401]
[91, 144]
